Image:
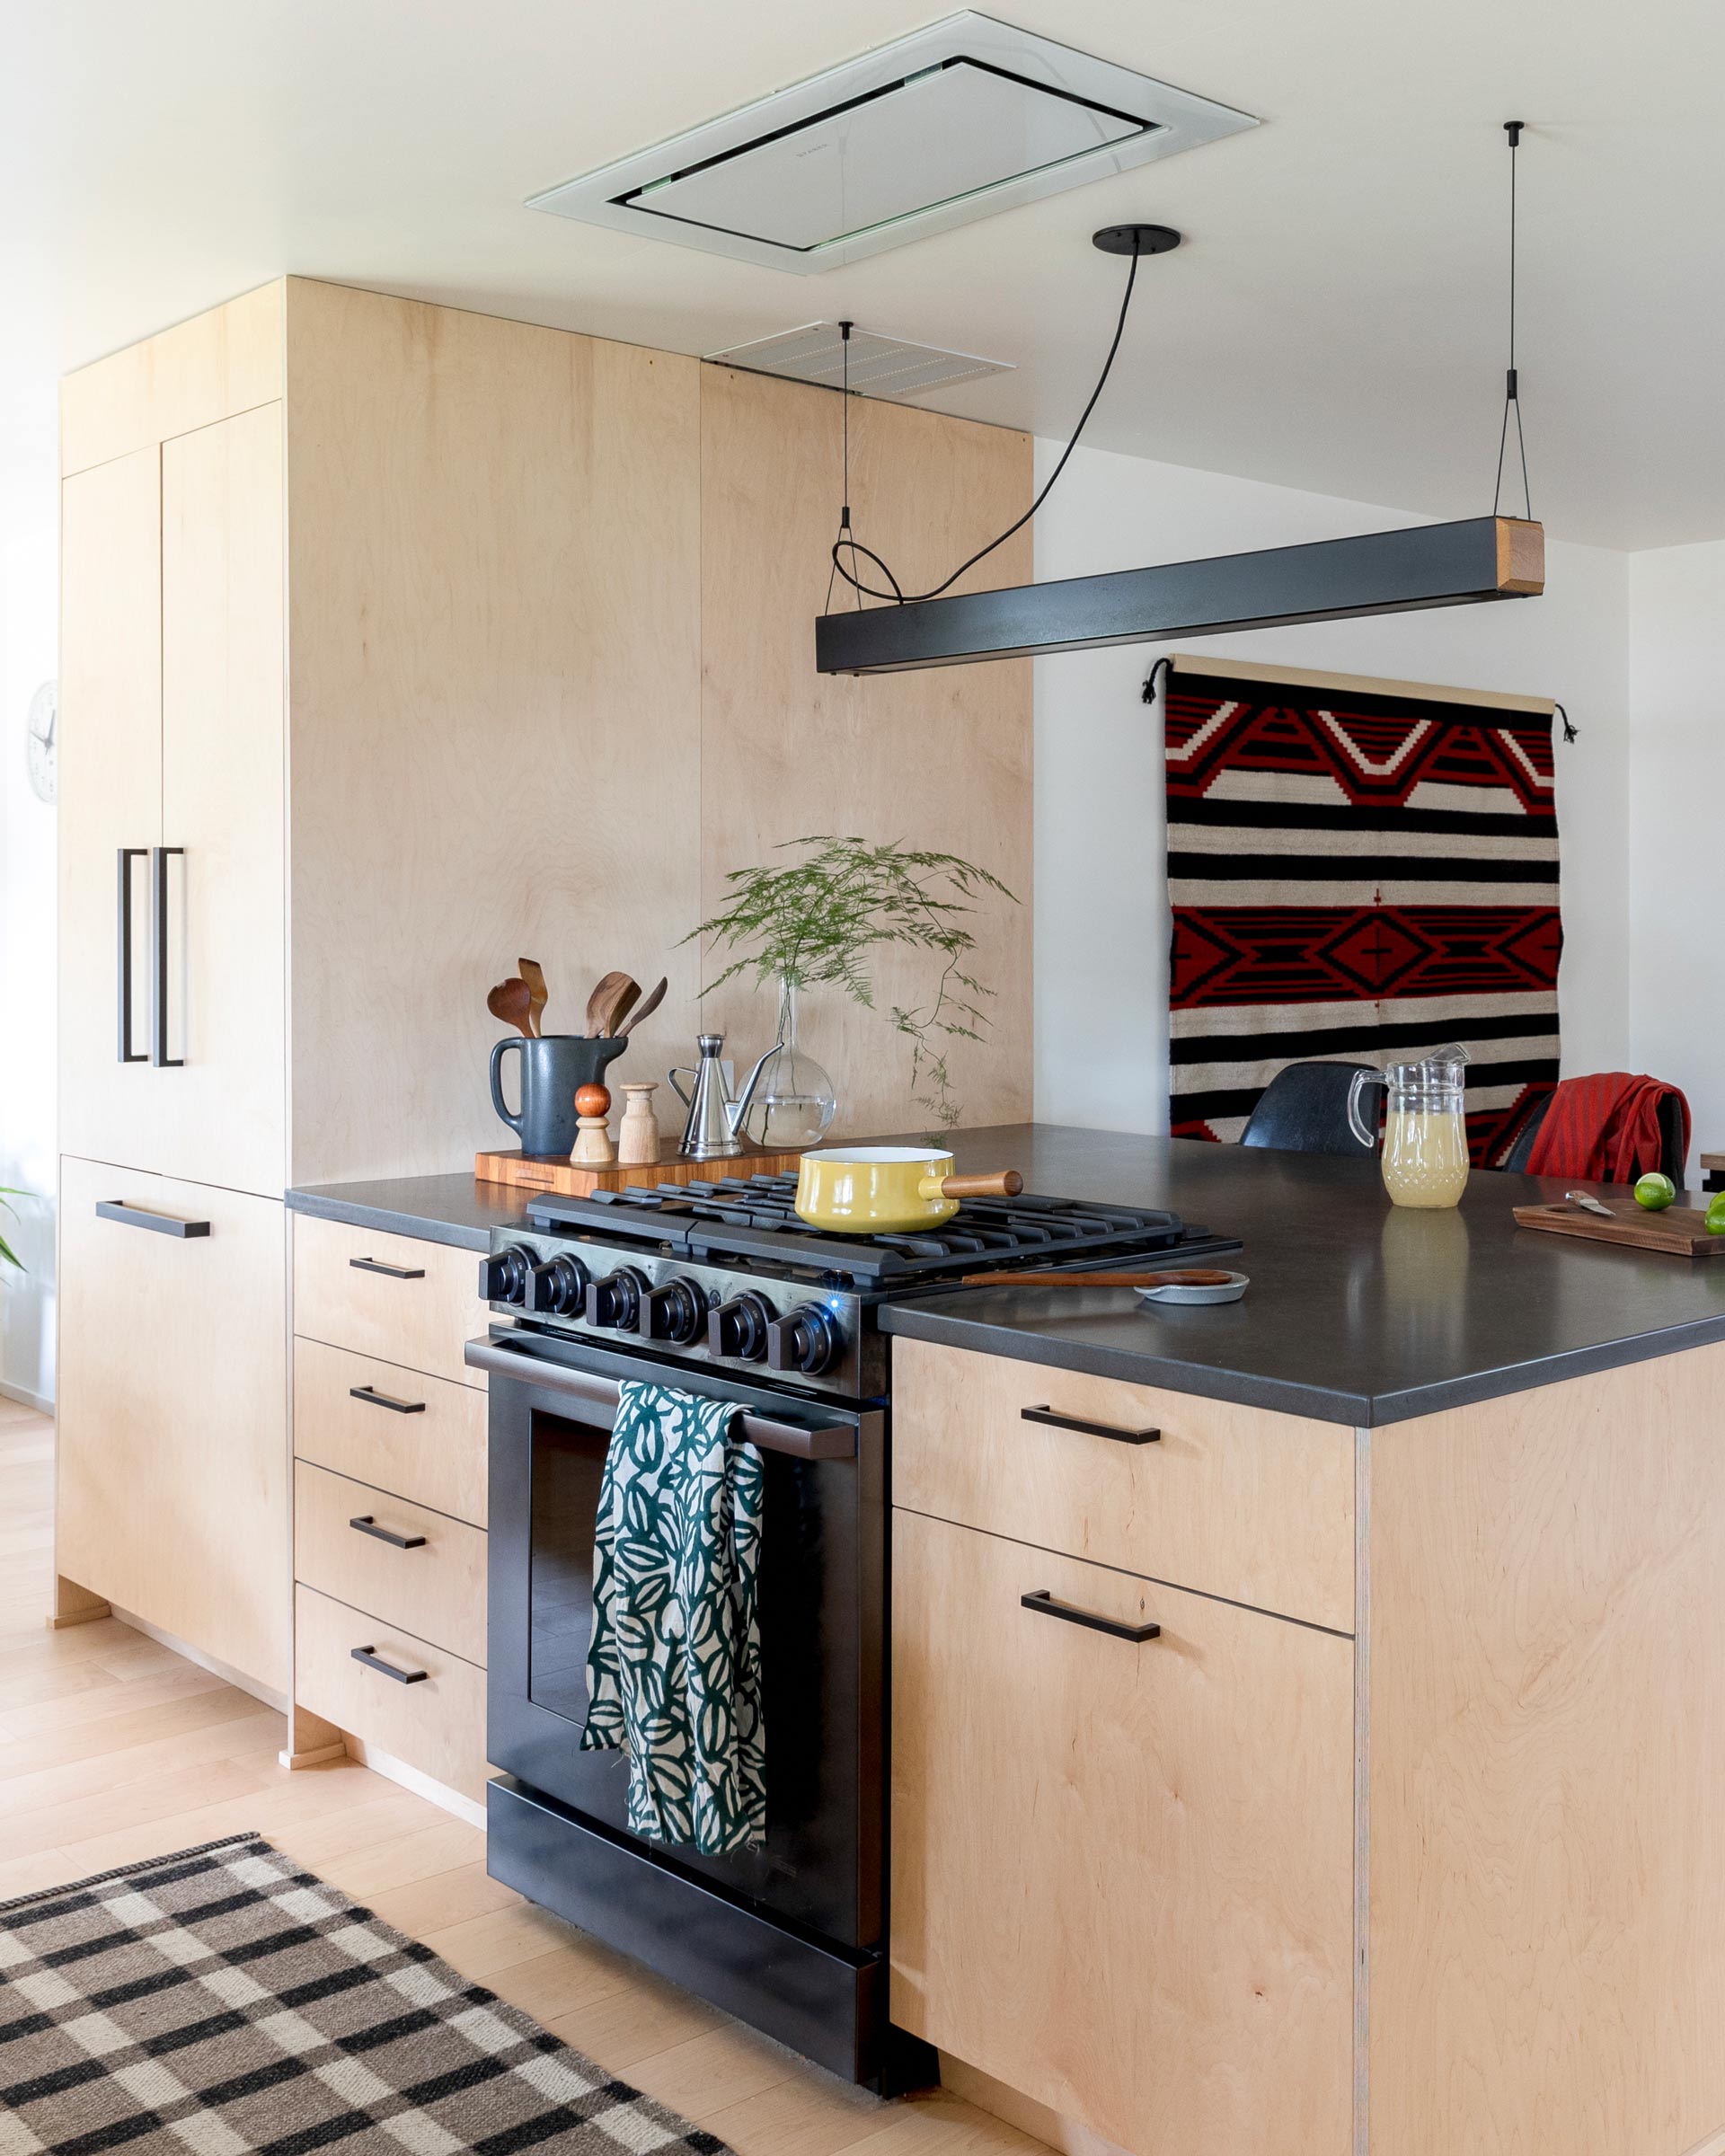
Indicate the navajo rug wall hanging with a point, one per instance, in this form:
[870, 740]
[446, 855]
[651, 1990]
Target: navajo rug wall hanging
[1358, 870]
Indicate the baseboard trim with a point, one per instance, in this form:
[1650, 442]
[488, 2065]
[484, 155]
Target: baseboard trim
[1712, 2144]
[43, 1402]
[412, 1778]
[319, 1755]
[1001, 2101]
[228, 1675]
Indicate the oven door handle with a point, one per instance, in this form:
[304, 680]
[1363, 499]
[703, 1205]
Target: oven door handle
[835, 1441]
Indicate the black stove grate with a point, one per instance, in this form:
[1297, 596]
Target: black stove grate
[753, 1219]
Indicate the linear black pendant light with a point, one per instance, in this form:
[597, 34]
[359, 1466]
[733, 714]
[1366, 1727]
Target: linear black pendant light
[1403, 571]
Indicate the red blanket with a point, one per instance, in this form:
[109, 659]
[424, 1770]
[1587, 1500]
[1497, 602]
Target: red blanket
[1605, 1128]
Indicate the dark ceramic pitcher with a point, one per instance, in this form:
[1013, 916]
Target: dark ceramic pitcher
[552, 1068]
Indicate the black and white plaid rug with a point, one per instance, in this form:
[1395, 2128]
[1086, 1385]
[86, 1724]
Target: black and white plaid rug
[224, 2002]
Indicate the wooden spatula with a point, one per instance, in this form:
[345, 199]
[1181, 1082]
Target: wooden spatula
[512, 1001]
[532, 974]
[610, 1002]
[645, 1008]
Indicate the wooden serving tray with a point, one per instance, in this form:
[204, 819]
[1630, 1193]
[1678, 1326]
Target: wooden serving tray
[556, 1172]
[1680, 1231]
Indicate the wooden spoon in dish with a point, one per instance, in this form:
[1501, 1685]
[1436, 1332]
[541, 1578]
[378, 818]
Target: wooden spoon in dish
[532, 974]
[645, 1008]
[512, 1001]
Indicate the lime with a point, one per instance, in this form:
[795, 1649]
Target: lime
[1716, 1216]
[1656, 1192]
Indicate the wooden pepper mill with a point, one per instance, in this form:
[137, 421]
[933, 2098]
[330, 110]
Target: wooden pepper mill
[593, 1147]
[638, 1133]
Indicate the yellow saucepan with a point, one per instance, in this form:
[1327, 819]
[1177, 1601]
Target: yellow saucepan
[880, 1190]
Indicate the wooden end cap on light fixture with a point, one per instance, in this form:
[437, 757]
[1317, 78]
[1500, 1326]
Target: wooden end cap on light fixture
[1405, 572]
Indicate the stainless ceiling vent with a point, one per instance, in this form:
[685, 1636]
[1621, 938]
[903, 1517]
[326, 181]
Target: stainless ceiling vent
[880, 366]
[952, 123]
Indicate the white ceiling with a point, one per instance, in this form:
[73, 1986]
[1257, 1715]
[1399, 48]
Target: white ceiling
[1334, 321]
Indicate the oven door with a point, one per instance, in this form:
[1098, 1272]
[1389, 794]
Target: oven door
[820, 1603]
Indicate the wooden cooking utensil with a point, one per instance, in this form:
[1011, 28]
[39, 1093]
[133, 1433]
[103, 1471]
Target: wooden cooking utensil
[645, 1008]
[532, 974]
[512, 1001]
[1005, 1182]
[1199, 1277]
[605, 995]
[621, 1004]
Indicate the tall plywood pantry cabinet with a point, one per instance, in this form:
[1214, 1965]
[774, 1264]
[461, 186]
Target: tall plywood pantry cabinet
[374, 615]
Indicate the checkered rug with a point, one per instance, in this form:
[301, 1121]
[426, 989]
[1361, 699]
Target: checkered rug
[224, 2002]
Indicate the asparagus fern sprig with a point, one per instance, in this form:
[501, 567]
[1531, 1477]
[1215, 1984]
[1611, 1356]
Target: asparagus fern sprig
[813, 921]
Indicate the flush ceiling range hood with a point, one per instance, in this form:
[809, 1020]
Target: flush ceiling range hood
[1403, 571]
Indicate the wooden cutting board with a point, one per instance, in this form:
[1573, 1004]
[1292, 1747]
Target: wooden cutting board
[554, 1172]
[1680, 1231]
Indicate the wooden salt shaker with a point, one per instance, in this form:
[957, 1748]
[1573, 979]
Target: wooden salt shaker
[638, 1133]
[593, 1147]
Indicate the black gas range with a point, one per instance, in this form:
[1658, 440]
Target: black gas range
[716, 1287]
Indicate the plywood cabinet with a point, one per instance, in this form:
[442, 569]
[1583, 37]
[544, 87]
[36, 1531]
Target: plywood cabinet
[172, 1469]
[1123, 1870]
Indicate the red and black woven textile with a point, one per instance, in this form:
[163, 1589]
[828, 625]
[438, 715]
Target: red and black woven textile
[1363, 877]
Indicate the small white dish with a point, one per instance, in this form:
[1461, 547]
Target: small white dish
[1228, 1290]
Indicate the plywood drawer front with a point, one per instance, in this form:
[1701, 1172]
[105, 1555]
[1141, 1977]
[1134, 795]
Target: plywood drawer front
[436, 1725]
[419, 1312]
[436, 1589]
[1123, 1873]
[422, 1438]
[1230, 1501]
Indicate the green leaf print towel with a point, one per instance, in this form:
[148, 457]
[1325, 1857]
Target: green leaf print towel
[674, 1665]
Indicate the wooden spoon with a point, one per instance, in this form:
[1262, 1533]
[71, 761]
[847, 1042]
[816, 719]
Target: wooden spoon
[532, 974]
[1197, 1277]
[645, 1008]
[599, 1003]
[512, 1001]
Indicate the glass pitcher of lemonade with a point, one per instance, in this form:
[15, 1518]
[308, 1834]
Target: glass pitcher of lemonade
[1424, 1127]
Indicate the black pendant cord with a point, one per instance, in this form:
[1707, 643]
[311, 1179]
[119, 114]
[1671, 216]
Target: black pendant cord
[847, 541]
[1162, 669]
[1511, 387]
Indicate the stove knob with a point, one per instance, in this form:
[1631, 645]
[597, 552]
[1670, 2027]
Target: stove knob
[558, 1288]
[738, 1329]
[503, 1277]
[808, 1341]
[615, 1301]
[672, 1311]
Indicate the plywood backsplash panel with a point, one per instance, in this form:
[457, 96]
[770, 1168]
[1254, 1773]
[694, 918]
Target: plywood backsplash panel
[939, 759]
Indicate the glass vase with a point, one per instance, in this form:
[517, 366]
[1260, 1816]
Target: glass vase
[794, 1103]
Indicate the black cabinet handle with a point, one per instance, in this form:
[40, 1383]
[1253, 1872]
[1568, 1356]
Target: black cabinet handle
[159, 1055]
[365, 1525]
[1043, 1604]
[1091, 1429]
[158, 1224]
[393, 1272]
[128, 855]
[373, 1397]
[373, 1660]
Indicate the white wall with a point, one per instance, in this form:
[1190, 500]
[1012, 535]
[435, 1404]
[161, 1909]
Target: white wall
[29, 597]
[1676, 825]
[1101, 912]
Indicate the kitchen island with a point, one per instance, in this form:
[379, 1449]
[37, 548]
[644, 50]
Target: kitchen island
[1304, 1717]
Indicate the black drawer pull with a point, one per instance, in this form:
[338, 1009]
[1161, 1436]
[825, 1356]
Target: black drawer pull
[365, 1525]
[158, 1224]
[373, 1397]
[373, 1660]
[393, 1272]
[1091, 1429]
[1043, 1604]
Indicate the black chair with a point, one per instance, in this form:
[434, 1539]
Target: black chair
[1304, 1108]
[1671, 1155]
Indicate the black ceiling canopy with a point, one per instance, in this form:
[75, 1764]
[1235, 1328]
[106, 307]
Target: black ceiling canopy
[1332, 579]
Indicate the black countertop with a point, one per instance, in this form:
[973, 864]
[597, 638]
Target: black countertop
[1358, 1312]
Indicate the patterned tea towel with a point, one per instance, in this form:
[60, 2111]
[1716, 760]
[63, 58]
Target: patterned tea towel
[674, 1666]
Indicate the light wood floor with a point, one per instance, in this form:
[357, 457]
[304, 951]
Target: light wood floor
[113, 1748]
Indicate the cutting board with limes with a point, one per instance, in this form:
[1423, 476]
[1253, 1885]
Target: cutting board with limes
[1680, 1231]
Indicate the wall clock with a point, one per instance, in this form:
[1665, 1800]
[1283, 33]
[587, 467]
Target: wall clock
[43, 736]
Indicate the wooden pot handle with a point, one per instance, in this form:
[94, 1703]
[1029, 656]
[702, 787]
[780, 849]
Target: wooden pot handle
[1005, 1182]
